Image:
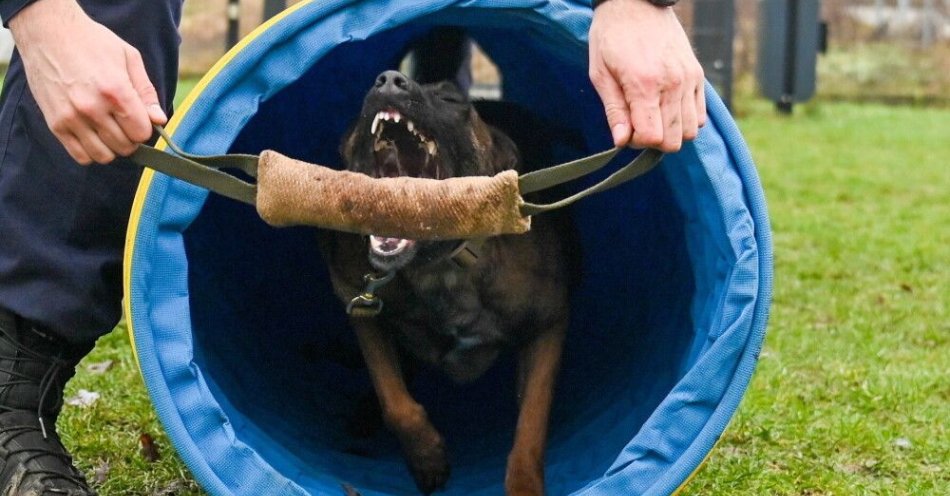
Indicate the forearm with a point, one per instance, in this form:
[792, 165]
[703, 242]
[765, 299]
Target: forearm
[40, 22]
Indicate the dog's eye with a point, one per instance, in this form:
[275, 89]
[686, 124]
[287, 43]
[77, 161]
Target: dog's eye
[452, 98]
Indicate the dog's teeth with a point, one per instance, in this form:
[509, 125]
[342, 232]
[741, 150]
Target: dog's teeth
[372, 128]
[411, 126]
[396, 116]
[430, 146]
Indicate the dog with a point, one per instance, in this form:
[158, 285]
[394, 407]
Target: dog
[453, 318]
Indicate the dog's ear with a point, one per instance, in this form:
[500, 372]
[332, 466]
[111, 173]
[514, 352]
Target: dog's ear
[504, 152]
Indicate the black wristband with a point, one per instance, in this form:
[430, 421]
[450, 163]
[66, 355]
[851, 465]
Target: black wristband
[658, 3]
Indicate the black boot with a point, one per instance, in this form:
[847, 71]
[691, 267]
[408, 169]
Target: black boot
[34, 368]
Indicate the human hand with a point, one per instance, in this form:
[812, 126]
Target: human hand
[645, 71]
[90, 85]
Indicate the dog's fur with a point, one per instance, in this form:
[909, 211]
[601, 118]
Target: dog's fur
[455, 319]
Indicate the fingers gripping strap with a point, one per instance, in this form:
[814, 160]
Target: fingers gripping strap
[292, 192]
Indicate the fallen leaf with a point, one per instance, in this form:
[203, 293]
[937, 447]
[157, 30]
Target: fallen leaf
[907, 287]
[83, 398]
[101, 473]
[903, 443]
[170, 490]
[850, 468]
[732, 451]
[148, 448]
[99, 368]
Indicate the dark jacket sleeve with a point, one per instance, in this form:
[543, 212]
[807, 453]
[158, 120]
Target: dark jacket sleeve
[9, 8]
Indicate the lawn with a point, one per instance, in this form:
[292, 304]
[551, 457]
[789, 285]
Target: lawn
[852, 393]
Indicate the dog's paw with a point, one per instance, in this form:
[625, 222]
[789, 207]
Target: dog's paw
[428, 462]
[524, 478]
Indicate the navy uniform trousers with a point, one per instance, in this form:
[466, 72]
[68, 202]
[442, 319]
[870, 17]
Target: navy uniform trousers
[62, 225]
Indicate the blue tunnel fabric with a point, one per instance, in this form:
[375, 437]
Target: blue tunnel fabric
[245, 350]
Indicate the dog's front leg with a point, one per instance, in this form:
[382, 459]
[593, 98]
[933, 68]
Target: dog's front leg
[422, 444]
[538, 366]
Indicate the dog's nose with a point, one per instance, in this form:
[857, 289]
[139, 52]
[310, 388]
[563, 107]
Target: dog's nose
[392, 82]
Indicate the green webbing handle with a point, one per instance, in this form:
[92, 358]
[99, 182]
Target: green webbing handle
[202, 170]
[559, 174]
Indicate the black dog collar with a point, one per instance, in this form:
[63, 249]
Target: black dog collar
[658, 3]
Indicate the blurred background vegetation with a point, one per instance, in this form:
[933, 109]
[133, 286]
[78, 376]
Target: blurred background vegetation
[892, 51]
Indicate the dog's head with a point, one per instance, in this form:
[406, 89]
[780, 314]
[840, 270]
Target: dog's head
[427, 131]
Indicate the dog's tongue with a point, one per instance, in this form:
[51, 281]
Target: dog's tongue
[389, 246]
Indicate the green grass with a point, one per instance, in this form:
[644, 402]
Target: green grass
[852, 394]
[108, 433]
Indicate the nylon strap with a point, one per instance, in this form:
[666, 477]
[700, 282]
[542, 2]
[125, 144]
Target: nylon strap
[559, 174]
[202, 170]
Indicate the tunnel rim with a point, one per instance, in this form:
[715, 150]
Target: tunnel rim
[155, 188]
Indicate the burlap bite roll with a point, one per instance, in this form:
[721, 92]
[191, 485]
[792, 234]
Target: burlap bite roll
[291, 192]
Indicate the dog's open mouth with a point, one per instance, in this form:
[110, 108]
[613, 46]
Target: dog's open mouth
[400, 149]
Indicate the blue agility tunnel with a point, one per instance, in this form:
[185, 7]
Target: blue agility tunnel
[246, 352]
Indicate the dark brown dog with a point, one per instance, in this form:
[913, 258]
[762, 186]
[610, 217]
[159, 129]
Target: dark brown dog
[453, 318]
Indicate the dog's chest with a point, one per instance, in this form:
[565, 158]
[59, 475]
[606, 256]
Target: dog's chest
[449, 324]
